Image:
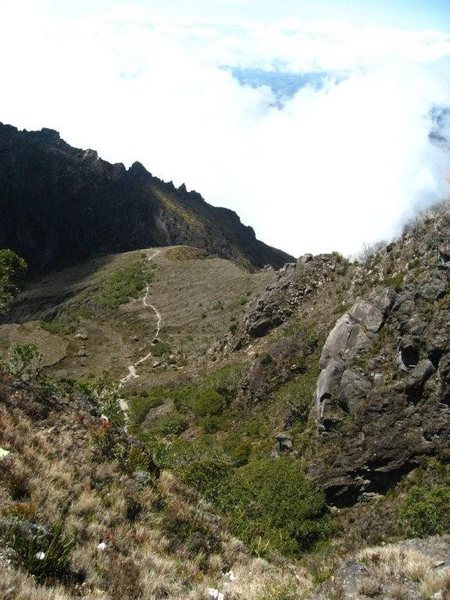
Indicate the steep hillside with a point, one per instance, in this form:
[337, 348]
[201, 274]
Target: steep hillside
[303, 411]
[61, 205]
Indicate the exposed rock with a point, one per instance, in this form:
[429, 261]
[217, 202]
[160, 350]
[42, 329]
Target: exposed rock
[60, 205]
[375, 419]
[283, 445]
[352, 334]
[4, 453]
[328, 379]
[354, 387]
[420, 374]
[81, 336]
[367, 315]
[268, 372]
[285, 295]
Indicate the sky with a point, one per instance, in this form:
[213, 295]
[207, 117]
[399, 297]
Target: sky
[310, 119]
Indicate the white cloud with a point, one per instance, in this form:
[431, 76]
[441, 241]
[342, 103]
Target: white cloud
[332, 169]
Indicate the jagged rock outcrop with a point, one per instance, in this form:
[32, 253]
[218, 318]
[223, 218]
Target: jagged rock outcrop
[61, 205]
[291, 285]
[382, 396]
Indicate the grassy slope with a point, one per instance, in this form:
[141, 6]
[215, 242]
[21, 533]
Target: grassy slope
[189, 410]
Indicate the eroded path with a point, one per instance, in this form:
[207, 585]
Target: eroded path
[132, 369]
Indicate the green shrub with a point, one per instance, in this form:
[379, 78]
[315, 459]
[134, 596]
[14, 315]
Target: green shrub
[200, 401]
[139, 406]
[426, 510]
[297, 395]
[160, 348]
[24, 361]
[241, 453]
[208, 473]
[171, 424]
[12, 269]
[210, 424]
[212, 394]
[124, 283]
[41, 551]
[273, 507]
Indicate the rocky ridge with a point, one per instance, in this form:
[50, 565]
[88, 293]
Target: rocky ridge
[62, 205]
[383, 387]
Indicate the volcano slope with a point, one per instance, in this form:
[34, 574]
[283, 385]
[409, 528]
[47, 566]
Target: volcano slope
[303, 411]
[61, 205]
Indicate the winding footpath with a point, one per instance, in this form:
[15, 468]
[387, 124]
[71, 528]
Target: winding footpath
[132, 373]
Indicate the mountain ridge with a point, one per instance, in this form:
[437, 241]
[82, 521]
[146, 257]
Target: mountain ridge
[62, 205]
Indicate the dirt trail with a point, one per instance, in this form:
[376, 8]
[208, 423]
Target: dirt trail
[132, 372]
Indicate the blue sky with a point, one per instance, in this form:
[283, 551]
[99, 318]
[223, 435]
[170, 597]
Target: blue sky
[416, 14]
[194, 91]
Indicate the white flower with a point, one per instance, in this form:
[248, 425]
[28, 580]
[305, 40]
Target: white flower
[215, 594]
[101, 546]
[40, 555]
[230, 575]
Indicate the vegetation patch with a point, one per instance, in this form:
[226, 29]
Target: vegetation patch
[212, 394]
[12, 269]
[182, 253]
[426, 510]
[124, 283]
[170, 424]
[140, 405]
[270, 503]
[37, 549]
[160, 348]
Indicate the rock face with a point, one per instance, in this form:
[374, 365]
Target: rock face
[292, 284]
[382, 396]
[352, 334]
[61, 205]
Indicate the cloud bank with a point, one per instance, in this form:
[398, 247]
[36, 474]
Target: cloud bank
[330, 167]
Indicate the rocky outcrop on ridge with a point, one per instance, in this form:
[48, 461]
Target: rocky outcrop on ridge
[292, 285]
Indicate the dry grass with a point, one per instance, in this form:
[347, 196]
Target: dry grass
[160, 541]
[400, 568]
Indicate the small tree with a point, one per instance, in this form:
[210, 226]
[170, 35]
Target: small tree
[24, 362]
[12, 268]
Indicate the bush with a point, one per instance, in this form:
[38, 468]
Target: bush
[12, 268]
[273, 507]
[171, 424]
[160, 348]
[24, 361]
[40, 550]
[140, 405]
[426, 510]
[210, 424]
[212, 395]
[208, 474]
